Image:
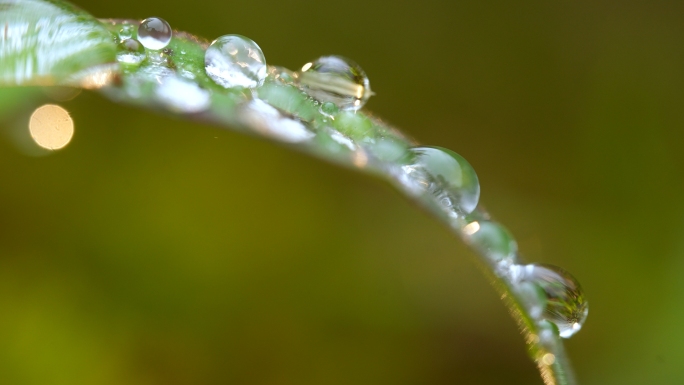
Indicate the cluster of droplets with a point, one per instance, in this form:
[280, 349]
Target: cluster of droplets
[337, 87]
[548, 293]
[153, 34]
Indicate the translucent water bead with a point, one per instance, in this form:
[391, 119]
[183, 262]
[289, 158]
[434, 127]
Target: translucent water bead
[154, 33]
[235, 61]
[566, 306]
[491, 239]
[445, 175]
[336, 79]
[130, 51]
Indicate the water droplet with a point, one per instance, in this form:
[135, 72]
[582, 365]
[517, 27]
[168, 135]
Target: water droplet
[281, 74]
[336, 79]
[130, 51]
[491, 239]
[126, 32]
[154, 33]
[159, 58]
[565, 303]
[329, 108]
[235, 61]
[445, 175]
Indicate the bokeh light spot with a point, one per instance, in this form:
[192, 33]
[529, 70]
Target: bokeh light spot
[51, 127]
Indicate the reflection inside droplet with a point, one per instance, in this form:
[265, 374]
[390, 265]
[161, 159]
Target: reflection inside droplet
[444, 175]
[337, 80]
[51, 127]
[566, 306]
[154, 33]
[235, 61]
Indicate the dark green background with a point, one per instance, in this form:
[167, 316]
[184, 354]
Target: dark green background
[156, 251]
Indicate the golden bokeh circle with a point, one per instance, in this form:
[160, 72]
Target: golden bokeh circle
[51, 127]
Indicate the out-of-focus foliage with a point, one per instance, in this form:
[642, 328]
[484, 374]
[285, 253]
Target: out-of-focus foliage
[50, 42]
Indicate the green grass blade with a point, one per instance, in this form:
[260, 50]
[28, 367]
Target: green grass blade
[51, 42]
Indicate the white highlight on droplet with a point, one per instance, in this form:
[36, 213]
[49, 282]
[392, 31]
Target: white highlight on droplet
[471, 228]
[51, 127]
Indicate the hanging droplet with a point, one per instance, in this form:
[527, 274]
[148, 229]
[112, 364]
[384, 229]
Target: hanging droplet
[235, 61]
[130, 51]
[336, 79]
[154, 33]
[491, 239]
[565, 303]
[445, 175]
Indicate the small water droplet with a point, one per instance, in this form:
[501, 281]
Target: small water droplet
[336, 79]
[565, 303]
[130, 51]
[235, 61]
[329, 108]
[281, 74]
[154, 33]
[491, 239]
[159, 58]
[445, 175]
[126, 31]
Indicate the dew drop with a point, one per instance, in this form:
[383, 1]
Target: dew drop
[154, 33]
[329, 108]
[565, 303]
[336, 79]
[445, 175]
[130, 51]
[126, 32]
[235, 61]
[281, 74]
[491, 239]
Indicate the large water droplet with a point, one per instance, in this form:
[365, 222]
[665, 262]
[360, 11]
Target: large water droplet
[130, 51]
[235, 61]
[445, 175]
[336, 79]
[154, 33]
[565, 303]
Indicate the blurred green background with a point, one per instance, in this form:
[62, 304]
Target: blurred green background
[156, 251]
